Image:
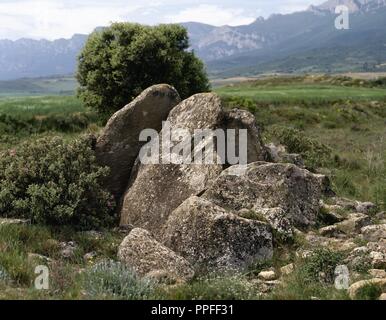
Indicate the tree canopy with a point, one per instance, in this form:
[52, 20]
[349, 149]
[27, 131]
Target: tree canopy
[120, 61]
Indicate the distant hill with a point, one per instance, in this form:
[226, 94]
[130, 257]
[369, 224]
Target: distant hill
[300, 42]
[37, 58]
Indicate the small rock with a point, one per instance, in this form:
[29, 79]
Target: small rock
[268, 275]
[374, 233]
[382, 297]
[330, 231]
[288, 269]
[377, 273]
[95, 235]
[344, 203]
[378, 259]
[365, 207]
[279, 154]
[381, 215]
[354, 223]
[357, 286]
[6, 221]
[68, 249]
[37, 258]
[303, 254]
[89, 257]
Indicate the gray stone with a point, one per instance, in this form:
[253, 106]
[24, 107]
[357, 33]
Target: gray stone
[354, 223]
[237, 119]
[287, 270]
[119, 145]
[68, 249]
[7, 222]
[377, 273]
[357, 286]
[365, 207]
[279, 154]
[374, 232]
[145, 255]
[267, 275]
[156, 190]
[294, 190]
[212, 237]
[330, 231]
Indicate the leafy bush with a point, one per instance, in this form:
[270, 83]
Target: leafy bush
[321, 265]
[55, 183]
[119, 62]
[110, 279]
[313, 152]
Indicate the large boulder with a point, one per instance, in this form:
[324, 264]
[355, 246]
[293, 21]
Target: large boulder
[141, 252]
[356, 288]
[238, 119]
[213, 238]
[284, 193]
[155, 190]
[119, 145]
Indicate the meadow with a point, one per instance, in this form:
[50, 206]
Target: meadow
[337, 125]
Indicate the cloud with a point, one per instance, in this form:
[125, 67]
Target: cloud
[297, 5]
[212, 14]
[53, 19]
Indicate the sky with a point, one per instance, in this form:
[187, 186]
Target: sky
[53, 19]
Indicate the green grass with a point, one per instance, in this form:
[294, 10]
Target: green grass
[293, 93]
[16, 242]
[28, 118]
[26, 107]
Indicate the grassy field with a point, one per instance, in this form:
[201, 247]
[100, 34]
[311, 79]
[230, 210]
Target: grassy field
[26, 107]
[339, 128]
[294, 93]
[27, 118]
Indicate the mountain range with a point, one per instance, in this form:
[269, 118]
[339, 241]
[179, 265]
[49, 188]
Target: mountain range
[304, 41]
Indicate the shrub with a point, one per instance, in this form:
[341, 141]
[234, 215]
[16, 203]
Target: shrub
[110, 279]
[119, 62]
[321, 265]
[315, 153]
[55, 183]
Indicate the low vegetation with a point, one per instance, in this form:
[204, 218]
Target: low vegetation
[55, 183]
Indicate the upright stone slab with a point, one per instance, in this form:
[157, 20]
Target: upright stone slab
[155, 190]
[119, 145]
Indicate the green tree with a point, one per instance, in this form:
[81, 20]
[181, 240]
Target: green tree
[119, 62]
